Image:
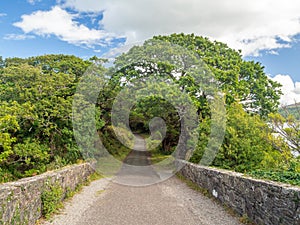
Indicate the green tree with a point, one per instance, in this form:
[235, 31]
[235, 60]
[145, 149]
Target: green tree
[246, 146]
[2, 62]
[160, 62]
[241, 81]
[293, 110]
[36, 96]
[287, 128]
[67, 64]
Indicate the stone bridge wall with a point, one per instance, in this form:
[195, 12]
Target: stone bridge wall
[20, 201]
[264, 202]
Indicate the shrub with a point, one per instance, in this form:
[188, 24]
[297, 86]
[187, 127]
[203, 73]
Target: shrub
[51, 199]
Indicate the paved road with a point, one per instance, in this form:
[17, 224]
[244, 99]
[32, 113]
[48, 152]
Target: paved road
[137, 169]
[171, 202]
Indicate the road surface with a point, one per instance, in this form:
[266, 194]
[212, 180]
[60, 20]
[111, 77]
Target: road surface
[170, 202]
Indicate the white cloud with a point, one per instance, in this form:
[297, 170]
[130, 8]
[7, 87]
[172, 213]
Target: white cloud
[273, 52]
[290, 89]
[60, 23]
[18, 37]
[297, 88]
[248, 25]
[32, 2]
[2, 15]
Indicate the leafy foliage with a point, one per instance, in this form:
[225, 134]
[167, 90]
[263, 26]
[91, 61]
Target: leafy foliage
[288, 128]
[290, 176]
[152, 107]
[51, 199]
[36, 97]
[250, 96]
[242, 81]
[293, 110]
[246, 145]
[113, 145]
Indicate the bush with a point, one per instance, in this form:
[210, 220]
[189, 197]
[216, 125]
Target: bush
[289, 177]
[51, 199]
[113, 145]
[246, 145]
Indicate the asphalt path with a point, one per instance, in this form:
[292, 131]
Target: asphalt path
[170, 202]
[137, 169]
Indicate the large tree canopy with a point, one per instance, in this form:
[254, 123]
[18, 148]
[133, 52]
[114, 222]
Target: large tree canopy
[243, 81]
[36, 97]
[37, 93]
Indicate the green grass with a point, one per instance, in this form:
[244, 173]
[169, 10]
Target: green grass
[157, 157]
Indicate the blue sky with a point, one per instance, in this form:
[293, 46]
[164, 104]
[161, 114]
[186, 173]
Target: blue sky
[285, 61]
[15, 42]
[267, 31]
